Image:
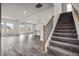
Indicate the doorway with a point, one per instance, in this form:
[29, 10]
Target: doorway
[69, 7]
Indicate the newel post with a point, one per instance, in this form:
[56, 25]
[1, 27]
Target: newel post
[42, 39]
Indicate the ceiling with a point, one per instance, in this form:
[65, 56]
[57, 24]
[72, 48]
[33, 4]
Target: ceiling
[21, 10]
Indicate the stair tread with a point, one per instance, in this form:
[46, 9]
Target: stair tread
[62, 51]
[66, 33]
[66, 27]
[65, 23]
[64, 38]
[65, 44]
[74, 35]
[65, 30]
[68, 41]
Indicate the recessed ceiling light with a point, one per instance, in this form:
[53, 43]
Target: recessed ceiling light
[21, 26]
[24, 12]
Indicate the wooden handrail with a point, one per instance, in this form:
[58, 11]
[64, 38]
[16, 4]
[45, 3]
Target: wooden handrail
[46, 29]
[49, 21]
[77, 13]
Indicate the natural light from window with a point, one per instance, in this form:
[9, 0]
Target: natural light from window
[69, 7]
[10, 26]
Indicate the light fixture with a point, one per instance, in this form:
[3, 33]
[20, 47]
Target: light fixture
[21, 26]
[2, 23]
[24, 12]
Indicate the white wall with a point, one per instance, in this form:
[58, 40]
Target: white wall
[41, 18]
[44, 16]
[64, 7]
[57, 12]
[76, 19]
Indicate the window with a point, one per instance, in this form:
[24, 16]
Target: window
[69, 7]
[2, 27]
[9, 27]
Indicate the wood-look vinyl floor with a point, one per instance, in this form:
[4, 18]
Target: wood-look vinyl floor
[22, 45]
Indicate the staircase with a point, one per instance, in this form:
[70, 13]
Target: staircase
[64, 41]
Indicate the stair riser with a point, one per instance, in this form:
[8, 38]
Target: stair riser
[69, 45]
[71, 48]
[65, 25]
[61, 19]
[66, 41]
[65, 22]
[66, 18]
[65, 31]
[64, 28]
[64, 35]
[68, 22]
